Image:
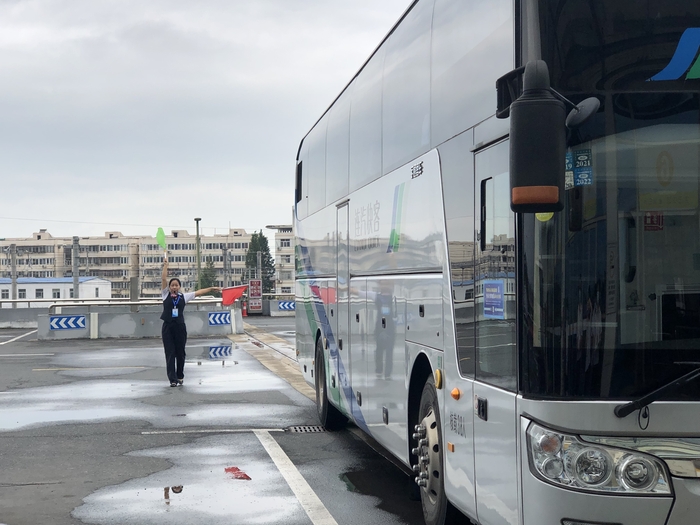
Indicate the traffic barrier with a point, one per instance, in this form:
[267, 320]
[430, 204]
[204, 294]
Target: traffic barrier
[245, 309]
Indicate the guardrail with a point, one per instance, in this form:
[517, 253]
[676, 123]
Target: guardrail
[142, 302]
[122, 317]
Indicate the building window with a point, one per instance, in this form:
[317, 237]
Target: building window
[6, 294]
[22, 293]
[97, 292]
[56, 293]
[286, 258]
[39, 293]
[286, 289]
[285, 243]
[71, 293]
[285, 276]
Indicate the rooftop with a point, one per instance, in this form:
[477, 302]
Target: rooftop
[47, 280]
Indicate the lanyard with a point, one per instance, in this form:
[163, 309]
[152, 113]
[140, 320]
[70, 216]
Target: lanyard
[175, 301]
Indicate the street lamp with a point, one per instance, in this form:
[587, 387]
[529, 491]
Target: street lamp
[199, 260]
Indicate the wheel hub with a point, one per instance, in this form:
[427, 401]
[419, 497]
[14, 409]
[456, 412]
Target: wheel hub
[428, 468]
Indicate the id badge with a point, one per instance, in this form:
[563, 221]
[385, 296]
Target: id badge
[176, 313]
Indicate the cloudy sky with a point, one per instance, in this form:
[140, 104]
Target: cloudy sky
[127, 115]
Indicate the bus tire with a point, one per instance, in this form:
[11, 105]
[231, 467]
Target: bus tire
[436, 509]
[329, 416]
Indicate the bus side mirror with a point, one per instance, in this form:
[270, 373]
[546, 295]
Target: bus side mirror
[537, 144]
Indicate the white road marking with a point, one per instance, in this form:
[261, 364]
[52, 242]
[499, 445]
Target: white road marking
[24, 355]
[19, 337]
[212, 431]
[93, 368]
[314, 507]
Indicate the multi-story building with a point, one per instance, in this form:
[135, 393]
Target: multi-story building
[119, 258]
[284, 258]
[226, 252]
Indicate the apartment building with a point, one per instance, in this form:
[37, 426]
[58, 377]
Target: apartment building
[284, 258]
[227, 253]
[120, 258]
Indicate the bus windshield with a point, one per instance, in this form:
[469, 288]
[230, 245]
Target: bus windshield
[611, 285]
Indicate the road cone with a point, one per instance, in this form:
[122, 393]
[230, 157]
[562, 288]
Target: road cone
[245, 309]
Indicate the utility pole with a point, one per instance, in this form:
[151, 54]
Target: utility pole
[13, 262]
[258, 274]
[76, 268]
[226, 266]
[199, 258]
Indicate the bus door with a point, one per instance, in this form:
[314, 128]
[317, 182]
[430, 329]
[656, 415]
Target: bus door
[340, 324]
[495, 386]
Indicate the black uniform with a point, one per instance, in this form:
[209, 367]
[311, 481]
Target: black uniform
[174, 334]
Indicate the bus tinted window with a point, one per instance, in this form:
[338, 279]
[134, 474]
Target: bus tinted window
[316, 166]
[366, 124]
[468, 36]
[406, 101]
[302, 208]
[458, 193]
[337, 143]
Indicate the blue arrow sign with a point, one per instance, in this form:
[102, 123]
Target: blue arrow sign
[219, 318]
[67, 322]
[217, 352]
[286, 305]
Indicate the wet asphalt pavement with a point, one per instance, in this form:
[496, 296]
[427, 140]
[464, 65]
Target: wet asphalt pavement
[91, 432]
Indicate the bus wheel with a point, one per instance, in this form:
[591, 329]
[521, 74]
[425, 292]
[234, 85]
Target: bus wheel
[429, 469]
[329, 416]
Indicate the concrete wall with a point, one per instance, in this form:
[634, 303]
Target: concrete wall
[117, 321]
[274, 311]
[19, 317]
[129, 325]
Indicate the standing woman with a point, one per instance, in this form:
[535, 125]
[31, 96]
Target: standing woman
[174, 331]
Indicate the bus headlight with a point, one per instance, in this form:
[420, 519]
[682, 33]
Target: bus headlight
[567, 461]
[592, 467]
[637, 473]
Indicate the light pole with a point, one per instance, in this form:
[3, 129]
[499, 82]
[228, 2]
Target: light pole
[13, 262]
[226, 266]
[199, 259]
[76, 267]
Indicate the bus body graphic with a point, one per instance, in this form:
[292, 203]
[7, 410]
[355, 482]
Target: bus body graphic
[684, 56]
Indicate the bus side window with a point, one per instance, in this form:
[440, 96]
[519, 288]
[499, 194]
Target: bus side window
[495, 275]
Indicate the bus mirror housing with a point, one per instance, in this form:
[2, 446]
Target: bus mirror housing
[537, 144]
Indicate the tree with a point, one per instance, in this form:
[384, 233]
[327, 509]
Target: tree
[258, 243]
[208, 276]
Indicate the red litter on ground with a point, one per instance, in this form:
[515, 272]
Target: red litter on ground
[236, 473]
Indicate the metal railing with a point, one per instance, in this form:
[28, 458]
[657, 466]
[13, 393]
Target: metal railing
[52, 304]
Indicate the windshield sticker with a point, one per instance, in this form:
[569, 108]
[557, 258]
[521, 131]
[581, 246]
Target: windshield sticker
[683, 59]
[579, 169]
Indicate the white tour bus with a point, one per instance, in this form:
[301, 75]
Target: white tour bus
[507, 299]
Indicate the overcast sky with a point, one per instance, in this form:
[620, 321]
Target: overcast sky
[127, 115]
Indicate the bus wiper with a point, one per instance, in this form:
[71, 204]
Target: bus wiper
[626, 409]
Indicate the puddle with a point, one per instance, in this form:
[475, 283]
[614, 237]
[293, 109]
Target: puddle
[103, 398]
[217, 352]
[369, 483]
[22, 414]
[200, 488]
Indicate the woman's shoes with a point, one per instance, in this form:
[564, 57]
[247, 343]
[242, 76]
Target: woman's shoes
[173, 384]
[179, 382]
